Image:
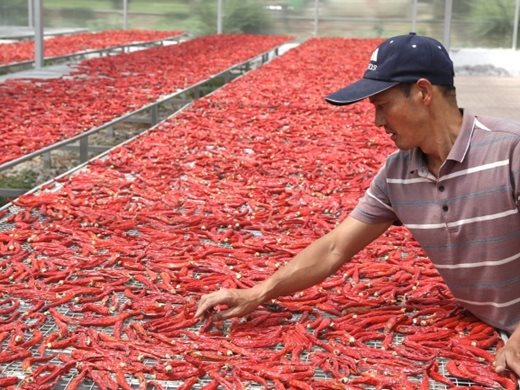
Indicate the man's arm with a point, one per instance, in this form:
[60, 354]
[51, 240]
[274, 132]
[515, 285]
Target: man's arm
[313, 264]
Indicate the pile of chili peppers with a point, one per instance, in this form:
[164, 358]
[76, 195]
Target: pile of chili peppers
[37, 113]
[12, 53]
[101, 270]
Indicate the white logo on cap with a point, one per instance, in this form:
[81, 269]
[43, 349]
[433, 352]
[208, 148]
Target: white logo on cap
[374, 55]
[373, 58]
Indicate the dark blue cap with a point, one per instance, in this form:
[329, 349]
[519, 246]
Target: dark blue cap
[401, 59]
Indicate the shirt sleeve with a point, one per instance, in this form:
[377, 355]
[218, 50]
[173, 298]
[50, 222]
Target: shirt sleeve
[375, 205]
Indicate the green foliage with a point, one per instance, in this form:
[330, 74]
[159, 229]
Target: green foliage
[239, 16]
[108, 22]
[76, 17]
[493, 21]
[13, 13]
[24, 179]
[94, 5]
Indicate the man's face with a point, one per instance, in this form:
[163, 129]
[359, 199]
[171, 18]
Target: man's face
[399, 113]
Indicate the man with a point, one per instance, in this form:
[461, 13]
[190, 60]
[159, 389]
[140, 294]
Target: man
[454, 183]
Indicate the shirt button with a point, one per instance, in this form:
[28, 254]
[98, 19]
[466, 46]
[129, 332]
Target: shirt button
[445, 207]
[441, 188]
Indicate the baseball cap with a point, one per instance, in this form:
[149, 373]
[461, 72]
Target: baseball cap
[400, 59]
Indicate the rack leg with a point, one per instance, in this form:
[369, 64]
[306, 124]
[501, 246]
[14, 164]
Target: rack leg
[83, 149]
[154, 115]
[47, 161]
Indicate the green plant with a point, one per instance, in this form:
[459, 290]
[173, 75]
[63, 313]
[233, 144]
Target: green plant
[239, 16]
[13, 13]
[493, 21]
[25, 179]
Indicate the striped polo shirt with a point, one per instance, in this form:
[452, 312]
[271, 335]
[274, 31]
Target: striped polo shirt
[467, 220]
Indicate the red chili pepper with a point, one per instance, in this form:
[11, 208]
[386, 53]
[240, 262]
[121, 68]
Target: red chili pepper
[9, 381]
[8, 356]
[77, 380]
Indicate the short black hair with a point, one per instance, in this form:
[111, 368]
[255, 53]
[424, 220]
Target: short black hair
[448, 91]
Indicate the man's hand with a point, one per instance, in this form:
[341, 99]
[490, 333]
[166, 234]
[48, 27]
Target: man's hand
[508, 357]
[239, 302]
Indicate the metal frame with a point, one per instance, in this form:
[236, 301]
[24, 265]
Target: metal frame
[29, 32]
[25, 65]
[81, 141]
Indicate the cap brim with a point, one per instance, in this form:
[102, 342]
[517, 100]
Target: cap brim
[359, 90]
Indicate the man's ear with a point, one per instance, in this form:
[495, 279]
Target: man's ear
[425, 90]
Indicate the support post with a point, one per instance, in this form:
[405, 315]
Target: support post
[125, 14]
[448, 6]
[414, 15]
[515, 26]
[220, 12]
[83, 150]
[30, 13]
[154, 115]
[47, 160]
[316, 17]
[38, 34]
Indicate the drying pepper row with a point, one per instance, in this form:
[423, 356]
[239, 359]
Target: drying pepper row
[38, 113]
[11, 53]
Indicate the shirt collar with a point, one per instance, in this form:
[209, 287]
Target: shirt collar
[461, 146]
[458, 151]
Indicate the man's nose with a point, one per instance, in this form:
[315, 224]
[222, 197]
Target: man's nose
[379, 119]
